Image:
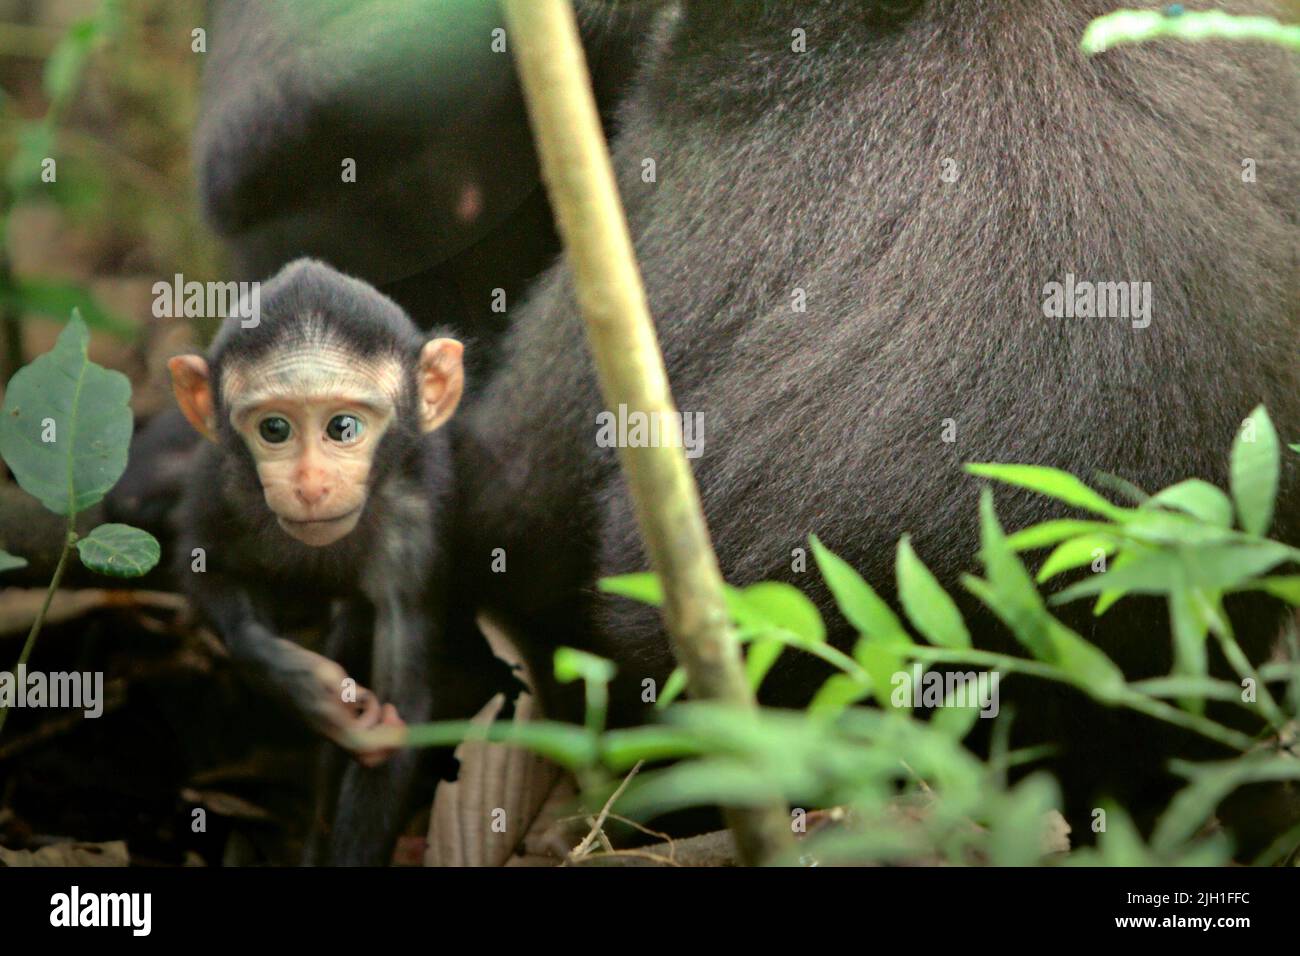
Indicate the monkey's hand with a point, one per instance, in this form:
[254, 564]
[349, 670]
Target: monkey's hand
[374, 717]
[333, 705]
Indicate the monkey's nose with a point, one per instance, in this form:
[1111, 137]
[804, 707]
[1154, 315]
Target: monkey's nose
[311, 492]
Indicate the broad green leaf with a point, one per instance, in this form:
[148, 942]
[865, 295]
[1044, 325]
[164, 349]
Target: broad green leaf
[119, 551]
[928, 605]
[10, 562]
[1076, 553]
[1199, 499]
[83, 409]
[1052, 482]
[643, 586]
[784, 606]
[859, 604]
[1256, 460]
[1053, 532]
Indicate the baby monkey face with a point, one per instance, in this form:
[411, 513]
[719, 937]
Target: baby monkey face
[313, 420]
[314, 458]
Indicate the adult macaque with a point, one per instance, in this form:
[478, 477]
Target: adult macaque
[323, 482]
[846, 243]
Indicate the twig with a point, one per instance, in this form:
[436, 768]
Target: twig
[580, 180]
[597, 827]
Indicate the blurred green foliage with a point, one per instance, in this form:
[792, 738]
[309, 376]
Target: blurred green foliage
[907, 788]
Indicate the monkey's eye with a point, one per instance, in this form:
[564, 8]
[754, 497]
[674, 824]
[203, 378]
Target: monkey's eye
[274, 430]
[343, 428]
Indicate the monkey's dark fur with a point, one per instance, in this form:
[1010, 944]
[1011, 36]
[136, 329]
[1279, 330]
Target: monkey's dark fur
[778, 171]
[386, 577]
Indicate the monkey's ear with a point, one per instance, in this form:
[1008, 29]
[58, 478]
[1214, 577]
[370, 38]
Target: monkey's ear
[442, 379]
[193, 393]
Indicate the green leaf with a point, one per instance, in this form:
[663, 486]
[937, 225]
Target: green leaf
[83, 408]
[1087, 665]
[10, 562]
[1200, 499]
[859, 604]
[1190, 628]
[882, 658]
[1009, 592]
[119, 551]
[569, 746]
[1076, 553]
[784, 606]
[1121, 844]
[1254, 471]
[956, 722]
[928, 605]
[1212, 568]
[839, 691]
[1139, 26]
[1284, 587]
[643, 586]
[1052, 482]
[674, 686]
[1192, 808]
[1052, 532]
[762, 655]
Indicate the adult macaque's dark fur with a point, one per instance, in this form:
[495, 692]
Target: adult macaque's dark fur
[821, 172]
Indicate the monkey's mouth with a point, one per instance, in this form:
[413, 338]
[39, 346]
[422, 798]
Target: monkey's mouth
[319, 532]
[320, 522]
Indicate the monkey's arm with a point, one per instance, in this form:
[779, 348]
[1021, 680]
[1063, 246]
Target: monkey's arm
[314, 685]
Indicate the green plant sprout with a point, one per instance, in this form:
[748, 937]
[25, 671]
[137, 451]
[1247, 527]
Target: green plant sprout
[1140, 26]
[65, 429]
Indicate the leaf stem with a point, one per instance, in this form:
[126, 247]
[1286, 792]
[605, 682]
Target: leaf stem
[68, 542]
